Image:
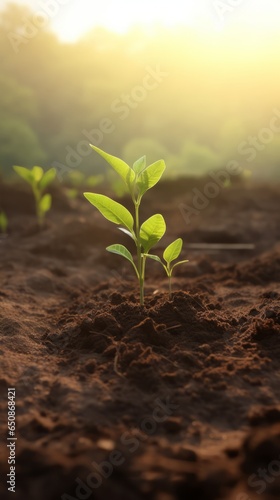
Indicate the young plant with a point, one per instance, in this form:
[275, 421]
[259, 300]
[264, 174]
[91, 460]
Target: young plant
[170, 254]
[3, 222]
[39, 181]
[138, 180]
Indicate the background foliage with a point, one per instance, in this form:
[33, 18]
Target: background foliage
[213, 98]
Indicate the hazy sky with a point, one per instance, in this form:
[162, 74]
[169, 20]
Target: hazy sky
[73, 18]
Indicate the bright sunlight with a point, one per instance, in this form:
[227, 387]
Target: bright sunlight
[75, 18]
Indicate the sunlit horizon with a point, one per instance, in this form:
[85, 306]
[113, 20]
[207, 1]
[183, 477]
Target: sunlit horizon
[76, 18]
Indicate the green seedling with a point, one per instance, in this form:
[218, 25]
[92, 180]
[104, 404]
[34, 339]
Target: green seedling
[3, 222]
[39, 181]
[138, 180]
[170, 254]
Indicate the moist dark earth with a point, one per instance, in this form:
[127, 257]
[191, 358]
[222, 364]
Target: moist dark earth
[179, 399]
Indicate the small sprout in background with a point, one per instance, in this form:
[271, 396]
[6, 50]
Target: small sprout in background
[94, 180]
[75, 178]
[3, 222]
[39, 181]
[78, 179]
[138, 180]
[247, 173]
[170, 254]
[116, 184]
[72, 193]
[227, 183]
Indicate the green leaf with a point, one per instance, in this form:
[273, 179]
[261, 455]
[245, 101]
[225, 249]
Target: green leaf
[126, 231]
[151, 231]
[38, 173]
[120, 250]
[154, 257]
[25, 174]
[139, 165]
[45, 203]
[150, 176]
[47, 178]
[111, 210]
[180, 262]
[122, 168]
[173, 250]
[124, 252]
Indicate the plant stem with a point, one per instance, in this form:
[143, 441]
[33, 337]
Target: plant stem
[37, 201]
[140, 263]
[143, 265]
[170, 287]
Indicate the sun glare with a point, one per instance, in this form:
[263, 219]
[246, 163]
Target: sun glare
[78, 17]
[121, 16]
[75, 18]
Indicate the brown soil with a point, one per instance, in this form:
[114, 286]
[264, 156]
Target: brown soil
[179, 399]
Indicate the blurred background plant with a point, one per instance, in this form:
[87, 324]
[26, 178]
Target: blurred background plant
[77, 180]
[3, 222]
[39, 181]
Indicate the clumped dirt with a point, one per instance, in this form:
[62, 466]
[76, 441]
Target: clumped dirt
[179, 399]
